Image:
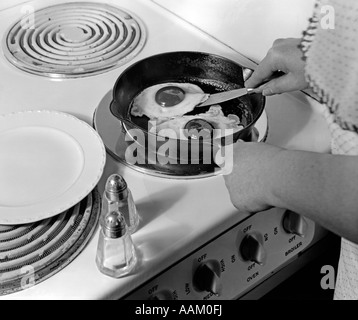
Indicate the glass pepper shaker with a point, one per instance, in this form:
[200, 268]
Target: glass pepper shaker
[116, 255]
[117, 196]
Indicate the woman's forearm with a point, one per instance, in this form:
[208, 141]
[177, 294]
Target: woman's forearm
[322, 187]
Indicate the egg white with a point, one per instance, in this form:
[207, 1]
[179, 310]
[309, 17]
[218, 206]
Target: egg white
[174, 128]
[145, 104]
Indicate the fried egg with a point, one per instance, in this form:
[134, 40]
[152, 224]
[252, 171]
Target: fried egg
[176, 128]
[176, 100]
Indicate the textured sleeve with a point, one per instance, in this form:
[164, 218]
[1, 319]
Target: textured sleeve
[330, 47]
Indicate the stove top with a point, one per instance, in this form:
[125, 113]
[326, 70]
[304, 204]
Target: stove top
[177, 216]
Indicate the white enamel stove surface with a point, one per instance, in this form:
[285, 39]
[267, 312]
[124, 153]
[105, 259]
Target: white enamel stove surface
[177, 217]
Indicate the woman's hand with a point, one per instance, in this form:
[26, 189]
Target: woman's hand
[249, 183]
[284, 56]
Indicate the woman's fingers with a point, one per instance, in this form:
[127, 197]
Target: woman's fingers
[263, 72]
[286, 83]
[282, 70]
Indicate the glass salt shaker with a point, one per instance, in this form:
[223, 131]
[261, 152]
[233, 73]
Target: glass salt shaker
[116, 255]
[117, 196]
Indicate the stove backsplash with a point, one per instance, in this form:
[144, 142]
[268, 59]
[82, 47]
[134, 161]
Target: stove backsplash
[248, 26]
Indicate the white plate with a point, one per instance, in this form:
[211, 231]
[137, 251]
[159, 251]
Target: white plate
[49, 161]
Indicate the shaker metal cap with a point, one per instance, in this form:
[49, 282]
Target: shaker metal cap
[115, 183]
[114, 225]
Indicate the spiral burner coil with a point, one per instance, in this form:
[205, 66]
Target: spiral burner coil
[74, 40]
[30, 254]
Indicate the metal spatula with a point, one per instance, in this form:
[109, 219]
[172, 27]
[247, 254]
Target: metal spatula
[217, 98]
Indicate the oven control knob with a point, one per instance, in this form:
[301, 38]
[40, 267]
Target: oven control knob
[207, 277]
[294, 223]
[252, 249]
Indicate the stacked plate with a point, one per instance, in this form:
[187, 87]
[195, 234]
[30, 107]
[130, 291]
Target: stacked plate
[50, 164]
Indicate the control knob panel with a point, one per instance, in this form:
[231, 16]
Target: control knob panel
[236, 261]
